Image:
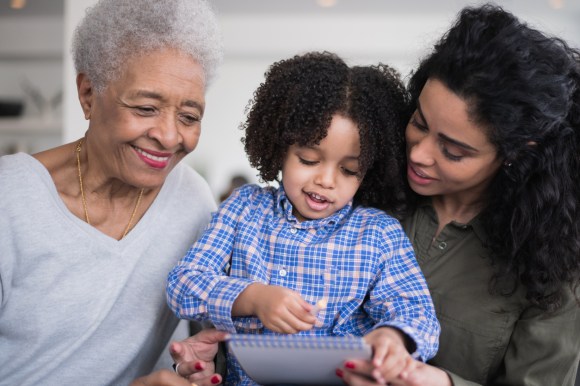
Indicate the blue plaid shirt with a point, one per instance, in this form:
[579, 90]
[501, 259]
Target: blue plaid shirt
[359, 260]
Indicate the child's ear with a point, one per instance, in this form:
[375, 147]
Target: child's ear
[85, 93]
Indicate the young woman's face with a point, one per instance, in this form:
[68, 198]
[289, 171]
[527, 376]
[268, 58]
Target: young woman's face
[320, 180]
[448, 153]
[148, 119]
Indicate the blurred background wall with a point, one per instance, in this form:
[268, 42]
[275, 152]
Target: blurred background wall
[36, 68]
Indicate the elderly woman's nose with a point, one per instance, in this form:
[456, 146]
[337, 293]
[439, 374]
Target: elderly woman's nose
[166, 132]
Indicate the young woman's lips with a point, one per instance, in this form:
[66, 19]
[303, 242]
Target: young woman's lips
[417, 177]
[154, 159]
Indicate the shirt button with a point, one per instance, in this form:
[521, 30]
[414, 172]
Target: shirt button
[293, 230]
[282, 272]
[442, 245]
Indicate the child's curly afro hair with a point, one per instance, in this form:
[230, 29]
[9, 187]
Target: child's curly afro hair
[296, 103]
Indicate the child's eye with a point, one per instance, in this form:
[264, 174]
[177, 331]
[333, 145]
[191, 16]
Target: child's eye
[349, 172]
[307, 162]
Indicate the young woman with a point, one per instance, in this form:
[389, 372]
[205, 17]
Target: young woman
[493, 164]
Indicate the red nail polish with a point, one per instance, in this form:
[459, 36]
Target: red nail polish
[349, 365]
[339, 373]
[215, 380]
[198, 366]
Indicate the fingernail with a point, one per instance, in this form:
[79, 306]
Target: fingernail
[339, 373]
[198, 366]
[349, 365]
[215, 380]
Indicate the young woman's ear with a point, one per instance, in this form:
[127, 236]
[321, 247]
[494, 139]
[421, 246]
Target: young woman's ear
[85, 93]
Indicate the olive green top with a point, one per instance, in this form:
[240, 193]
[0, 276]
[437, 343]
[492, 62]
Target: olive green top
[489, 339]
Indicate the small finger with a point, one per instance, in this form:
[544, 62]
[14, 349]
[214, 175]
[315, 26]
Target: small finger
[380, 353]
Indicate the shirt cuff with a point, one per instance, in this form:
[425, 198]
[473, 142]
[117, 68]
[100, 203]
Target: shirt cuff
[223, 297]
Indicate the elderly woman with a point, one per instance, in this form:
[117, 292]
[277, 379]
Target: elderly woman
[89, 230]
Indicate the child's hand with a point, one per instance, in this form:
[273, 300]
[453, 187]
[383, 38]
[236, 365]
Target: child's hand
[279, 309]
[390, 356]
[283, 310]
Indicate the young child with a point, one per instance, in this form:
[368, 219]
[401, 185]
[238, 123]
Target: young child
[332, 137]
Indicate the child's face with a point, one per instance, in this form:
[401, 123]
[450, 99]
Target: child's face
[320, 180]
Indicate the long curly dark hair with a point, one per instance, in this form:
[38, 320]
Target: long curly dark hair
[522, 86]
[296, 103]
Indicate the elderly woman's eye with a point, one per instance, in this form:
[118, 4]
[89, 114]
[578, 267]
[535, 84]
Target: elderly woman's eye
[188, 119]
[145, 110]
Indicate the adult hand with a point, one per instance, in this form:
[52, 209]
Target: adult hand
[194, 356]
[423, 374]
[162, 377]
[358, 373]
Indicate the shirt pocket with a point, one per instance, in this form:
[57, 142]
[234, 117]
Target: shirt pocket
[471, 337]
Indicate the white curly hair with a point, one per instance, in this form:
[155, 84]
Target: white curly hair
[114, 30]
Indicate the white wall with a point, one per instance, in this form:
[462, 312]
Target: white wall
[252, 43]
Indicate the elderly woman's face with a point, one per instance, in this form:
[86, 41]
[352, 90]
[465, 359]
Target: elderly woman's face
[448, 153]
[146, 121]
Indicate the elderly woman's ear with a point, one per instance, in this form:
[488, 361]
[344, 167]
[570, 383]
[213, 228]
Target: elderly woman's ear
[85, 93]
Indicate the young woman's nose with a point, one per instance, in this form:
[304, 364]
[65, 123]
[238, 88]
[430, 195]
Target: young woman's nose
[421, 150]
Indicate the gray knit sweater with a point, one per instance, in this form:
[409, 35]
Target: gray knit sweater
[78, 307]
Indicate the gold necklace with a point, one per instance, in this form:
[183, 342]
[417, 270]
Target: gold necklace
[128, 227]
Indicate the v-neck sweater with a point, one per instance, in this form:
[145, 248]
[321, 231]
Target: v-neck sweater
[77, 306]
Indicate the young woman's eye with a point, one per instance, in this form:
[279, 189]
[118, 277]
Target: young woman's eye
[449, 155]
[306, 162]
[418, 125]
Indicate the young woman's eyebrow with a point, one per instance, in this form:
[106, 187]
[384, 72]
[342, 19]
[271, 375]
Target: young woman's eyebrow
[443, 136]
[458, 143]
